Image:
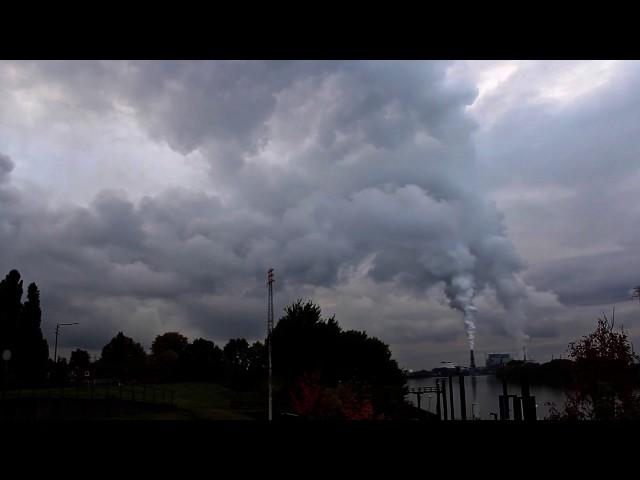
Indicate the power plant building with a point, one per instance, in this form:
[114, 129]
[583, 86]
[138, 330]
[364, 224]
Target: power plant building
[496, 360]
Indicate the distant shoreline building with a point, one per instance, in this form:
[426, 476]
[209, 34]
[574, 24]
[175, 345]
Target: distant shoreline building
[497, 360]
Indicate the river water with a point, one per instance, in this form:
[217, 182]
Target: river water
[482, 392]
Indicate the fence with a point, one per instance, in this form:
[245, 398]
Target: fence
[129, 393]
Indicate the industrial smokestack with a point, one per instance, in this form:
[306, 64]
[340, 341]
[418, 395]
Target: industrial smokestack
[472, 363]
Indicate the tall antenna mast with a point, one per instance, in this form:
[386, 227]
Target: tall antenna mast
[270, 281]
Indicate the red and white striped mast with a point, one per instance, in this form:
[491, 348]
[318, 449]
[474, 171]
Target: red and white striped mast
[270, 280]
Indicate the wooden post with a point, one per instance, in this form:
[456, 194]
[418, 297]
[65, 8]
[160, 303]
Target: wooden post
[528, 402]
[453, 416]
[517, 408]
[505, 403]
[444, 398]
[438, 412]
[529, 408]
[463, 400]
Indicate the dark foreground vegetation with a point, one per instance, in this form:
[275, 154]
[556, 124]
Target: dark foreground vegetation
[320, 370]
[556, 373]
[601, 376]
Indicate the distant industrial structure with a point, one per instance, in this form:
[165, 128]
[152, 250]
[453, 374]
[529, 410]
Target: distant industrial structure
[445, 368]
[496, 360]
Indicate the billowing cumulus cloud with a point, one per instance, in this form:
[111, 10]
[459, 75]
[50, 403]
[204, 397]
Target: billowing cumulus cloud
[358, 182]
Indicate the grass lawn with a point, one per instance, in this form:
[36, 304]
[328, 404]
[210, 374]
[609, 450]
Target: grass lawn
[194, 401]
[208, 401]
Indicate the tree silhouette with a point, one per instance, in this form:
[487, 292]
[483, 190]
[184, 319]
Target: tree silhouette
[123, 358]
[356, 372]
[202, 361]
[603, 386]
[79, 363]
[167, 352]
[257, 362]
[59, 370]
[301, 342]
[172, 341]
[236, 361]
[32, 350]
[10, 306]
[236, 353]
[20, 330]
[80, 360]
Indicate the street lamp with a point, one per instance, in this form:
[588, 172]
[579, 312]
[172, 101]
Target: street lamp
[58, 325]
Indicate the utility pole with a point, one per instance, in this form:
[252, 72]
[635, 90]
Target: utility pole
[270, 280]
[55, 355]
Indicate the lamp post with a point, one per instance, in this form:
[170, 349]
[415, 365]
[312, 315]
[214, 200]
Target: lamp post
[58, 325]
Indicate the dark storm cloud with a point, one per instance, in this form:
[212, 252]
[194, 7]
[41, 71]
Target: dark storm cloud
[590, 279]
[581, 144]
[315, 167]
[6, 165]
[580, 158]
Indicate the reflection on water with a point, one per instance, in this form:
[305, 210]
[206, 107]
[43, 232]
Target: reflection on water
[482, 392]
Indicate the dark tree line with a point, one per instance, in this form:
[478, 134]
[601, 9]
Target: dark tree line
[173, 358]
[321, 370]
[21, 333]
[556, 373]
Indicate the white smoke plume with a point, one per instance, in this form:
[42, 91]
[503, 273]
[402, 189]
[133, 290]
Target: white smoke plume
[512, 293]
[460, 290]
[470, 325]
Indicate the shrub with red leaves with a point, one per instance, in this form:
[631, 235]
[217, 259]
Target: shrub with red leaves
[311, 399]
[603, 383]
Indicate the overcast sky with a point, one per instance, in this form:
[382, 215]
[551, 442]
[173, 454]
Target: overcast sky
[147, 197]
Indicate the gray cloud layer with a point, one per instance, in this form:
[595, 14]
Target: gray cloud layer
[357, 181]
[582, 159]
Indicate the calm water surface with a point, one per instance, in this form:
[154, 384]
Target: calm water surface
[482, 393]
